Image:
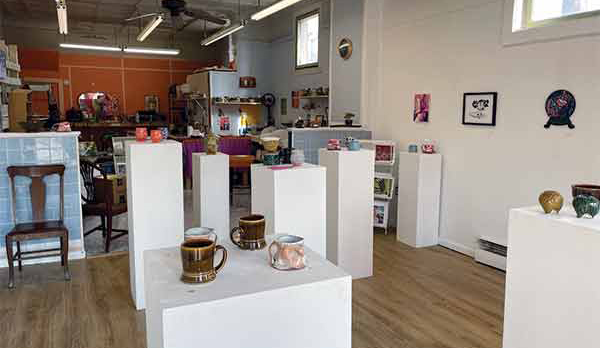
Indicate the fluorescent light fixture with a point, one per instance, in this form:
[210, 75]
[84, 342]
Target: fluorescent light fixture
[90, 47]
[276, 7]
[155, 22]
[165, 51]
[224, 33]
[61, 12]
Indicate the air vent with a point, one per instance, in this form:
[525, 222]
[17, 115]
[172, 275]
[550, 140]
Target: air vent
[491, 252]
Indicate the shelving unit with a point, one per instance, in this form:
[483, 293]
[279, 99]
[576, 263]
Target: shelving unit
[314, 96]
[9, 82]
[238, 103]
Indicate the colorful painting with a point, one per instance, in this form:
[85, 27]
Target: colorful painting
[383, 186]
[384, 153]
[560, 106]
[380, 214]
[421, 112]
[479, 109]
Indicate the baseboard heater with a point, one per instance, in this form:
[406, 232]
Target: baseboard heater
[491, 252]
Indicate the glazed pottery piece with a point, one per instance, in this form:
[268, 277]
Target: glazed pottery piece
[200, 233]
[560, 106]
[551, 201]
[165, 132]
[271, 159]
[333, 145]
[354, 145]
[270, 143]
[287, 253]
[297, 157]
[156, 136]
[347, 141]
[412, 148]
[197, 259]
[586, 206]
[428, 146]
[250, 235]
[211, 144]
[141, 133]
[591, 190]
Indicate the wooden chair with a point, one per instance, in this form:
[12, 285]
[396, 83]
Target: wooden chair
[103, 207]
[38, 228]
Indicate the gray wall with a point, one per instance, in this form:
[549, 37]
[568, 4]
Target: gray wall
[346, 79]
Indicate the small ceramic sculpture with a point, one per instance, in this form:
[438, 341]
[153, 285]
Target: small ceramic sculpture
[551, 201]
[211, 144]
[586, 206]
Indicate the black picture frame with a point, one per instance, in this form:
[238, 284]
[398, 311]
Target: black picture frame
[493, 96]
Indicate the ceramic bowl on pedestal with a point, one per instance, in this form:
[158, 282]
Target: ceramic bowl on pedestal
[585, 189]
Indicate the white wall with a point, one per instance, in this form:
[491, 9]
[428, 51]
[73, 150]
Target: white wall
[447, 48]
[346, 75]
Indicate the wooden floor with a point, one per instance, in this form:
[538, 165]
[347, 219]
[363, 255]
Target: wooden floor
[427, 298]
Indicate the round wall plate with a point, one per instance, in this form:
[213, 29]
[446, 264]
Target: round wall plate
[345, 48]
[560, 106]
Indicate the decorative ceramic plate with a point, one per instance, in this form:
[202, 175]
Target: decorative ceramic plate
[560, 106]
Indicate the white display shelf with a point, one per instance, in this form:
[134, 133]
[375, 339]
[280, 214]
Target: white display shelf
[292, 201]
[350, 209]
[154, 204]
[13, 81]
[250, 304]
[419, 186]
[211, 192]
[552, 297]
[13, 66]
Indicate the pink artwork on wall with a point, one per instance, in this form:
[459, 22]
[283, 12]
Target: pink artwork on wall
[421, 113]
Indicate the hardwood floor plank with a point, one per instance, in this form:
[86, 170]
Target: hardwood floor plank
[417, 298]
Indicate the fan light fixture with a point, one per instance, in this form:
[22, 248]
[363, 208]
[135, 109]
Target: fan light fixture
[276, 7]
[224, 33]
[162, 51]
[149, 28]
[91, 47]
[61, 12]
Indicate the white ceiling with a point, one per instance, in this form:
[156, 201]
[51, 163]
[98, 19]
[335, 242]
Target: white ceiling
[89, 15]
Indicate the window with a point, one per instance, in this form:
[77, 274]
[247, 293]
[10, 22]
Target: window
[543, 12]
[307, 40]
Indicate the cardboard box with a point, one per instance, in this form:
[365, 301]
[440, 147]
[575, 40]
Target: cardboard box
[114, 186]
[198, 82]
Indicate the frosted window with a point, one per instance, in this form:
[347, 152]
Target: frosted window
[307, 41]
[542, 10]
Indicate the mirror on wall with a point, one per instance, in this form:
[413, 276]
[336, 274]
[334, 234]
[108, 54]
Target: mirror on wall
[345, 48]
[91, 104]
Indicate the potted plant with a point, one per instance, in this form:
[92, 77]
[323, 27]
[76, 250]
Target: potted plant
[348, 119]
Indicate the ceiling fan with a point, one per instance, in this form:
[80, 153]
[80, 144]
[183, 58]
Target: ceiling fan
[181, 17]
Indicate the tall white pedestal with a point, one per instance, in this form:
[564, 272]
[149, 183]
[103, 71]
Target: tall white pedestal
[154, 204]
[350, 176]
[552, 284]
[293, 202]
[419, 186]
[250, 304]
[211, 192]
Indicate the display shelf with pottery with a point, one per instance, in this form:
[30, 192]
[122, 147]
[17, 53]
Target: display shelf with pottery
[292, 202]
[552, 287]
[154, 204]
[211, 192]
[350, 176]
[419, 188]
[250, 304]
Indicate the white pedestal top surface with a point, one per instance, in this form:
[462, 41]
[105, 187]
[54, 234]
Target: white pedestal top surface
[245, 273]
[566, 216]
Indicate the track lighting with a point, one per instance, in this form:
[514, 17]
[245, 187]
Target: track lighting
[224, 33]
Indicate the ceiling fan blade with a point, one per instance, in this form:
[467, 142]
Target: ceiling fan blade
[142, 16]
[203, 15]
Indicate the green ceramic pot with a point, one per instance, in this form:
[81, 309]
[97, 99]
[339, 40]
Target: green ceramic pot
[586, 206]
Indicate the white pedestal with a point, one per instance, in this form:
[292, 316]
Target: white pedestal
[211, 192]
[154, 203]
[250, 304]
[293, 202]
[350, 177]
[552, 284]
[419, 185]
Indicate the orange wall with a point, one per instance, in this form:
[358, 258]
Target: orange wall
[128, 78]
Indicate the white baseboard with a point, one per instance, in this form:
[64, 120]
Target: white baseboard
[76, 252]
[463, 249]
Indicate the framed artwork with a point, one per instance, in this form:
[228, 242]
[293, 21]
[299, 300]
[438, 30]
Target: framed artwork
[383, 186]
[479, 109]
[381, 213]
[151, 103]
[421, 111]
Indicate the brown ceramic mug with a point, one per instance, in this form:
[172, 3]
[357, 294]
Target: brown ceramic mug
[198, 257]
[251, 233]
